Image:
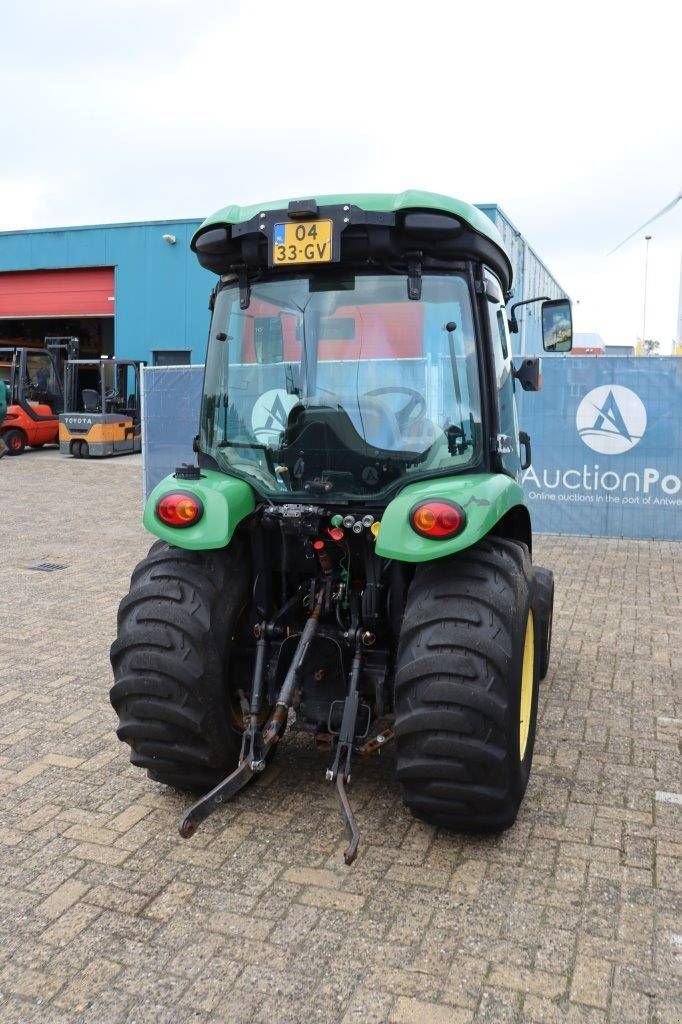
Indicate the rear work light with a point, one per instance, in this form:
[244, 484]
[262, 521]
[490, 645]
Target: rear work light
[437, 519]
[179, 508]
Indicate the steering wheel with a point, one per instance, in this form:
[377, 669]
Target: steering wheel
[403, 415]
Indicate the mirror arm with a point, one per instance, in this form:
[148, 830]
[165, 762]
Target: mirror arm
[513, 322]
[414, 274]
[241, 271]
[528, 374]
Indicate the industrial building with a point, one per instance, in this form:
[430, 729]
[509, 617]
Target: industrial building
[137, 291]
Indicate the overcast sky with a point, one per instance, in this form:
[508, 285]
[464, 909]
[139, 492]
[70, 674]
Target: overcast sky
[567, 115]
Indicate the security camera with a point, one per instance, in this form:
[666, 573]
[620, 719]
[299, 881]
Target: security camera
[169, 239]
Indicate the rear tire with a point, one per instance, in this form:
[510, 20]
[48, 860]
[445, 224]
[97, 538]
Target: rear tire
[171, 660]
[543, 602]
[462, 756]
[15, 441]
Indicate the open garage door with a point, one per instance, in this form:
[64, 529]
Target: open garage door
[53, 293]
[35, 304]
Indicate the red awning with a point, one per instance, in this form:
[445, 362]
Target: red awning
[45, 293]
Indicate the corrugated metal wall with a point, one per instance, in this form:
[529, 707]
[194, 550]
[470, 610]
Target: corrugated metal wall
[531, 278]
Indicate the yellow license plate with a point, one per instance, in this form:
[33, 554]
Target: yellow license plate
[303, 241]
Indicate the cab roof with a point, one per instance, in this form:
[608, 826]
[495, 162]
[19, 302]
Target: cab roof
[373, 202]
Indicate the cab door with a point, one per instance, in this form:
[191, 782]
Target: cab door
[508, 436]
[43, 392]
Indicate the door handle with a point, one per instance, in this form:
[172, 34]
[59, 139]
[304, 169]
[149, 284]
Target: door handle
[524, 441]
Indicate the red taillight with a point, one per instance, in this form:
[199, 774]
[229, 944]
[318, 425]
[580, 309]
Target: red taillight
[437, 519]
[179, 509]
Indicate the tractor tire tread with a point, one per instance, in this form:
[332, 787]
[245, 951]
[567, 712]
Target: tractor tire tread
[458, 645]
[170, 689]
[543, 600]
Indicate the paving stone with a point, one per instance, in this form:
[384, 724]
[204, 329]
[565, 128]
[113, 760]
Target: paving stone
[591, 982]
[414, 1011]
[84, 988]
[62, 898]
[317, 897]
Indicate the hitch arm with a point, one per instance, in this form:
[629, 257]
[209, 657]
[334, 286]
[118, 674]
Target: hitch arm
[340, 769]
[279, 716]
[256, 746]
[210, 801]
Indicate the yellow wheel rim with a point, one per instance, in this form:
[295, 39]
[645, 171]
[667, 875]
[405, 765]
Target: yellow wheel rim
[527, 680]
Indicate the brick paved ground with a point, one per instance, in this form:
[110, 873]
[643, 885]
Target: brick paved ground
[106, 915]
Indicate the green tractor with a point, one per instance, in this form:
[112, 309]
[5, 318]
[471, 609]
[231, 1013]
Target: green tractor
[351, 554]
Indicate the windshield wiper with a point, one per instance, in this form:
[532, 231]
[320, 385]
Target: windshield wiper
[450, 327]
[292, 388]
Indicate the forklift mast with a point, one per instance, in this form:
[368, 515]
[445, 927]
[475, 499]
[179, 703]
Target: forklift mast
[62, 350]
[69, 346]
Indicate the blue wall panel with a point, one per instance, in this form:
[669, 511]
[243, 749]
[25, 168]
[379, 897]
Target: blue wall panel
[15, 251]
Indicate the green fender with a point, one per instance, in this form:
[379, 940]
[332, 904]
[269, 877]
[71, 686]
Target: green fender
[226, 502]
[485, 498]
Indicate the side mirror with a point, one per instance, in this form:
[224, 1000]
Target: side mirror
[557, 325]
[268, 339]
[527, 373]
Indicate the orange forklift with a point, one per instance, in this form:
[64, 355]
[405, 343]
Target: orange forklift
[101, 414]
[35, 394]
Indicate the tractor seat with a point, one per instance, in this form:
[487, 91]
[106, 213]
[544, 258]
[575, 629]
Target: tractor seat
[90, 399]
[375, 421]
[352, 427]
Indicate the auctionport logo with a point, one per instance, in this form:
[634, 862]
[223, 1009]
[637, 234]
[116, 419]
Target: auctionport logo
[611, 419]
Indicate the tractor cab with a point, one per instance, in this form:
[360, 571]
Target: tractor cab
[350, 350]
[35, 397]
[102, 409]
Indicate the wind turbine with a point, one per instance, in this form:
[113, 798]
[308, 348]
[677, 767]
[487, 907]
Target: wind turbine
[666, 209]
[661, 213]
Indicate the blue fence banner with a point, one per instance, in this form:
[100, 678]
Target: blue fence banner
[171, 400]
[606, 435]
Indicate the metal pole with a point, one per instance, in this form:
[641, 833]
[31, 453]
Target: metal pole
[647, 239]
[679, 313]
